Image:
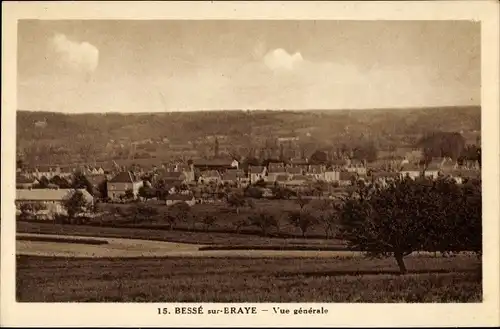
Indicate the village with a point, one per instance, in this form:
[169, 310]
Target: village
[209, 181]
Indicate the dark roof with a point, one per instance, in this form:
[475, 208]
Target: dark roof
[172, 175]
[299, 177]
[293, 170]
[256, 169]
[276, 169]
[410, 167]
[240, 173]
[281, 178]
[124, 177]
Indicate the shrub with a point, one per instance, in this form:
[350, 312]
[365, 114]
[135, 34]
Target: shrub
[253, 192]
[264, 221]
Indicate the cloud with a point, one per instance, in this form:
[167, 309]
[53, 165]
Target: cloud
[79, 56]
[279, 59]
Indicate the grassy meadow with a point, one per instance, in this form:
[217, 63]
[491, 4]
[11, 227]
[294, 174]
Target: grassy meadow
[430, 279]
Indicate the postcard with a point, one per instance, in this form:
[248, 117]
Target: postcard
[250, 164]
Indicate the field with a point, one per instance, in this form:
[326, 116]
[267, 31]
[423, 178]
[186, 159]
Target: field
[227, 216]
[430, 279]
[179, 236]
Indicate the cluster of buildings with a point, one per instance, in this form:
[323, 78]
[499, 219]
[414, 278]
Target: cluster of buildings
[183, 180]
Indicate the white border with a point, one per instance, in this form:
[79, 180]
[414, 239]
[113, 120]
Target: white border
[144, 315]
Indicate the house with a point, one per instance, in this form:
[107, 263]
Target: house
[384, 177]
[281, 179]
[209, 177]
[51, 200]
[256, 173]
[43, 171]
[189, 199]
[187, 170]
[411, 170]
[339, 164]
[346, 178]
[25, 182]
[299, 164]
[123, 182]
[275, 170]
[432, 170]
[168, 176]
[66, 172]
[332, 175]
[316, 172]
[357, 167]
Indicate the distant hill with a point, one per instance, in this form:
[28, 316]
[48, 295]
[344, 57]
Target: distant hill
[68, 133]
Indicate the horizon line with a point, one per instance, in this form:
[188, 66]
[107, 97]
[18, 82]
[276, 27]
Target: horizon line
[259, 110]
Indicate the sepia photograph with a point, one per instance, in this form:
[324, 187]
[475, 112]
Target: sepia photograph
[248, 161]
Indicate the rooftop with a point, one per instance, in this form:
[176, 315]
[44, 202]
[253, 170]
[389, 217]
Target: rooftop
[124, 177]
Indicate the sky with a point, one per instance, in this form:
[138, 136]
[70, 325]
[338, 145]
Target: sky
[156, 66]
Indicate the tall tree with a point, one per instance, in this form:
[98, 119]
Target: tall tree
[442, 144]
[236, 201]
[408, 216]
[76, 204]
[81, 182]
[264, 221]
[302, 220]
[319, 157]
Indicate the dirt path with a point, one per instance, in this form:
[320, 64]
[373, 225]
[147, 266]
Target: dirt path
[144, 248]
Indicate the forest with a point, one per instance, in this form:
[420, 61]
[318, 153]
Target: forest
[44, 136]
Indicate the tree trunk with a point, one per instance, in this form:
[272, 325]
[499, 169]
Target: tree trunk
[400, 261]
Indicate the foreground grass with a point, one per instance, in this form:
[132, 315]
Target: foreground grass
[41, 279]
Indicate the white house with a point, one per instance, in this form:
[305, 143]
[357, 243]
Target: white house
[210, 177]
[51, 200]
[172, 199]
[411, 170]
[121, 183]
[256, 173]
[332, 176]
